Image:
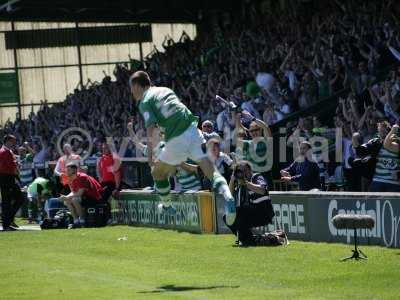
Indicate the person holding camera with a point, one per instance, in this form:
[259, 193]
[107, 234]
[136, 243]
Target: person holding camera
[253, 204]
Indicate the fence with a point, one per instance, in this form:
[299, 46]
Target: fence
[303, 215]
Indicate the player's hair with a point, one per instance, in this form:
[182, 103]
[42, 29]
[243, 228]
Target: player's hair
[141, 78]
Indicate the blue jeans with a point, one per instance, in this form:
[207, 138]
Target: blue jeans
[377, 186]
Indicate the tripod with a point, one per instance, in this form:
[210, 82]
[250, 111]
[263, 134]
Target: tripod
[357, 253]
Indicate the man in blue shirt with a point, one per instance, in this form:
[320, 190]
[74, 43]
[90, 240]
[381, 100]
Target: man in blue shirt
[303, 170]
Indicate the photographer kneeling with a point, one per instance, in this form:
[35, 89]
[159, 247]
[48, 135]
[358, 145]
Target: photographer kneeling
[253, 204]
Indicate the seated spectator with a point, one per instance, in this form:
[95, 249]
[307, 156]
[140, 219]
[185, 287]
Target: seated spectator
[85, 192]
[303, 170]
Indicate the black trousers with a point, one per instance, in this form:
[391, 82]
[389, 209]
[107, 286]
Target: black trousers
[353, 178]
[108, 188]
[11, 199]
[268, 178]
[249, 216]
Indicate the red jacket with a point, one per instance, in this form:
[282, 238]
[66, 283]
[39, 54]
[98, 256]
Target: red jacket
[91, 186]
[106, 165]
[8, 162]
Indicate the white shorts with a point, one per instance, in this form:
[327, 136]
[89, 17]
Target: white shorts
[186, 146]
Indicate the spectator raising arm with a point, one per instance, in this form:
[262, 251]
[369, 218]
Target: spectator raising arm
[391, 142]
[262, 124]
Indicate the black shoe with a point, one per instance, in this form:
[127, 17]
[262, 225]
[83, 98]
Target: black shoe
[14, 225]
[9, 228]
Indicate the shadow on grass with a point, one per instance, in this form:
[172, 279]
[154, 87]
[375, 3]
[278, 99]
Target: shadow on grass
[174, 288]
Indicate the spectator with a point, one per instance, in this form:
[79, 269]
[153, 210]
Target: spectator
[255, 150]
[221, 160]
[25, 161]
[207, 127]
[387, 172]
[63, 161]
[303, 170]
[252, 93]
[380, 163]
[294, 59]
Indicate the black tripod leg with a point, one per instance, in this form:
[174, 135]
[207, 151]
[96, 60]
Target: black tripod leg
[363, 255]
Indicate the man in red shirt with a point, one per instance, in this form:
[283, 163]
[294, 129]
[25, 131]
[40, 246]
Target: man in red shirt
[11, 195]
[85, 191]
[109, 172]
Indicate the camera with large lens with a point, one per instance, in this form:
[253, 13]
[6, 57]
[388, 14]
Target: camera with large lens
[239, 173]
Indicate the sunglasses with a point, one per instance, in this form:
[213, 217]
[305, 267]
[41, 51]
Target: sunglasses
[207, 126]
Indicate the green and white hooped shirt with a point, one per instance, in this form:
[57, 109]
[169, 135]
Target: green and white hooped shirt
[387, 167]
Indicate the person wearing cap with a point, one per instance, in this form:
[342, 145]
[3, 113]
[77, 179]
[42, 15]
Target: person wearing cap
[85, 191]
[11, 195]
[207, 127]
[60, 169]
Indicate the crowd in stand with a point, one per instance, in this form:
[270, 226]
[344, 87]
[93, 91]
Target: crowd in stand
[275, 62]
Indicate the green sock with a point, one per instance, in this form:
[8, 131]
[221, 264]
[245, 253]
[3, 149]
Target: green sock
[163, 189]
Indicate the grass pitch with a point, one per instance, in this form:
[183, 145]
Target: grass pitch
[162, 264]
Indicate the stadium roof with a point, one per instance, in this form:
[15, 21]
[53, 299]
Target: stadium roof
[146, 11]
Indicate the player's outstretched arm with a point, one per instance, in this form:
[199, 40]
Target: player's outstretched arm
[135, 138]
[262, 124]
